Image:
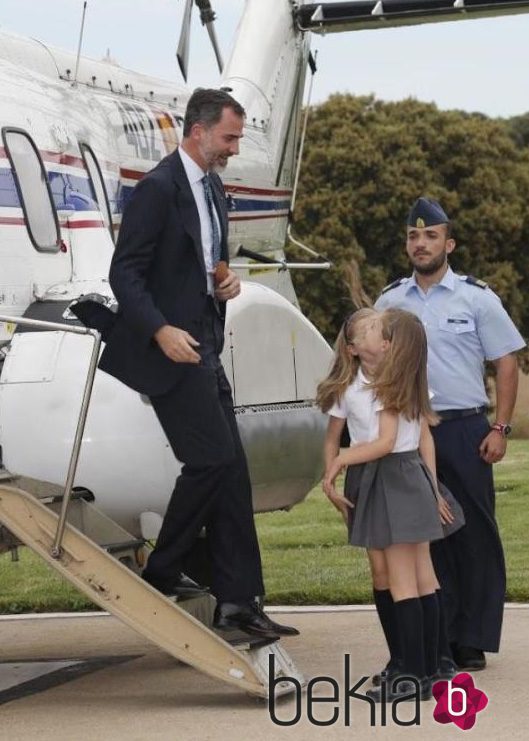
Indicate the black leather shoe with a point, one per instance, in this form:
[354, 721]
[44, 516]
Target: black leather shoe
[389, 672]
[402, 689]
[281, 630]
[180, 586]
[471, 659]
[447, 669]
[246, 617]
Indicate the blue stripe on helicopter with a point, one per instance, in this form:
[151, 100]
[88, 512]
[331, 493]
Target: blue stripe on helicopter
[74, 193]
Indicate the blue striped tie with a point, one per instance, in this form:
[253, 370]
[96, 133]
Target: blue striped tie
[215, 236]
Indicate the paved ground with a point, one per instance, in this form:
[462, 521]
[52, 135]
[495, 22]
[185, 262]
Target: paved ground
[145, 695]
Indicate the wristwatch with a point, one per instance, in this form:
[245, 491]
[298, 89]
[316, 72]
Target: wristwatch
[503, 429]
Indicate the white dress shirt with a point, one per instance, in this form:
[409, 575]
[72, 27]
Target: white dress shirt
[194, 175]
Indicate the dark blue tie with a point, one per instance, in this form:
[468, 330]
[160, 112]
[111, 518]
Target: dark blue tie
[215, 236]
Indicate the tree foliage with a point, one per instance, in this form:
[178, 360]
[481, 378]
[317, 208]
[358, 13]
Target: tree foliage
[365, 163]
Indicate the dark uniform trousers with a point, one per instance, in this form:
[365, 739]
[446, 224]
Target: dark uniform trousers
[213, 489]
[470, 564]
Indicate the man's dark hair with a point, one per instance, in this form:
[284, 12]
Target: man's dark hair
[449, 230]
[205, 106]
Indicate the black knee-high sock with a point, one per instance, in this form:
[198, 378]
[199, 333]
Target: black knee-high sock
[410, 623]
[386, 615]
[444, 644]
[430, 614]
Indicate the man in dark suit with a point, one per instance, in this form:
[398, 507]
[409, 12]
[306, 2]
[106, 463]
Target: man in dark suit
[166, 343]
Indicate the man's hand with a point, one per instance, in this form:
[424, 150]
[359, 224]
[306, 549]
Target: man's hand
[229, 288]
[177, 344]
[493, 447]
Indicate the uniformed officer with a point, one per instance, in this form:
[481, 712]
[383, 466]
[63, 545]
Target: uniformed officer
[466, 324]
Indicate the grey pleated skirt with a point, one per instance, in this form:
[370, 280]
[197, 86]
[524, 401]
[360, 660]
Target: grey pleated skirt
[394, 502]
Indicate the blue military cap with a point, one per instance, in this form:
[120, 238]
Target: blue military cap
[426, 212]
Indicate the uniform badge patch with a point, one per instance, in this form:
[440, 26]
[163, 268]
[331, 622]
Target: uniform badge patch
[395, 284]
[471, 280]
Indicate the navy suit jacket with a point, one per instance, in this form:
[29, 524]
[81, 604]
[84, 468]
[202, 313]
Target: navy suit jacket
[158, 276]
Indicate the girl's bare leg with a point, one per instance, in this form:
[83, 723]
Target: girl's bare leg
[426, 579]
[379, 568]
[401, 561]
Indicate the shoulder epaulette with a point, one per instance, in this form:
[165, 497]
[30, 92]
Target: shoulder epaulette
[474, 281]
[395, 284]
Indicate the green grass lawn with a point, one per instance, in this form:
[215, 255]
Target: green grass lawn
[305, 554]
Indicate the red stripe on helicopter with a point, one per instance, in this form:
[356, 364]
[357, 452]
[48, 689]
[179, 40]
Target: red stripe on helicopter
[131, 174]
[12, 220]
[94, 223]
[83, 224]
[243, 190]
[253, 218]
[240, 189]
[60, 158]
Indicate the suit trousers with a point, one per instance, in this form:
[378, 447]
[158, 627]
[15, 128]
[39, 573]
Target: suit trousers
[213, 489]
[470, 564]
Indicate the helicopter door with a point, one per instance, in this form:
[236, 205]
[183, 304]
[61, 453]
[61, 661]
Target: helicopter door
[88, 221]
[98, 185]
[30, 239]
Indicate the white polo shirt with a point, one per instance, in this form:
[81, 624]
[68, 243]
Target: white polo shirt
[357, 406]
[360, 408]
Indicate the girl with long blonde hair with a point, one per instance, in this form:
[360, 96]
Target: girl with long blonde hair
[391, 499]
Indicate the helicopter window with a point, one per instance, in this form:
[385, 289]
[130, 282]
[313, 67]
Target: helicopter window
[33, 190]
[98, 185]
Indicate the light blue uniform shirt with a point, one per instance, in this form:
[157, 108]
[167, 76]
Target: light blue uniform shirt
[465, 325]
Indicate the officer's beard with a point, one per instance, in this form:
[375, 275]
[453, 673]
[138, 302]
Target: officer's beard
[435, 264]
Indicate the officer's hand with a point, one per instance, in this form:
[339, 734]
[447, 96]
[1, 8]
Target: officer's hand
[229, 288]
[177, 344]
[493, 447]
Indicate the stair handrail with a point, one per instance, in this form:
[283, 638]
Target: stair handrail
[56, 549]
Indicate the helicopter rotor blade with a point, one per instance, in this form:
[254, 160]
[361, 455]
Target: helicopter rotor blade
[182, 52]
[207, 18]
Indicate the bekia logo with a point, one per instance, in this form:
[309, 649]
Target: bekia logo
[458, 701]
[344, 703]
